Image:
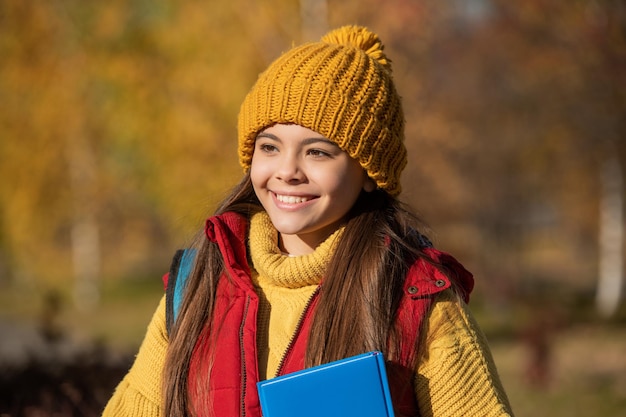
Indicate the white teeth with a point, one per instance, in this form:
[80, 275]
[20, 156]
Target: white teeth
[290, 199]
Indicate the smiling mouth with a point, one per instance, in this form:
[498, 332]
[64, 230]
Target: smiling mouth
[291, 199]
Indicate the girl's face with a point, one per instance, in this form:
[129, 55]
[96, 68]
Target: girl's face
[306, 184]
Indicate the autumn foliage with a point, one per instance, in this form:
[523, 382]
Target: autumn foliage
[117, 126]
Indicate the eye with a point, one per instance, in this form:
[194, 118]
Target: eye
[267, 147]
[318, 153]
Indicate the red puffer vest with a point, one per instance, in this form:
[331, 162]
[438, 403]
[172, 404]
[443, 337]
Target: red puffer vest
[233, 374]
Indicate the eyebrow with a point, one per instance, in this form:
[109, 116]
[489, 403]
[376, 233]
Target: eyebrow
[307, 141]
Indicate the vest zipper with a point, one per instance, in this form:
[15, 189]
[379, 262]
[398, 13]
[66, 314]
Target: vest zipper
[243, 358]
[295, 333]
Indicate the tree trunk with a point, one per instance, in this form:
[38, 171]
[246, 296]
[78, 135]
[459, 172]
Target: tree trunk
[611, 238]
[85, 236]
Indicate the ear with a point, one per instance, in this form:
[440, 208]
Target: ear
[369, 185]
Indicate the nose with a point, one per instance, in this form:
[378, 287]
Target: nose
[289, 169]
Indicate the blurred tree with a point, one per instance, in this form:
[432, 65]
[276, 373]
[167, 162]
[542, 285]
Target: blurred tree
[511, 108]
[118, 126]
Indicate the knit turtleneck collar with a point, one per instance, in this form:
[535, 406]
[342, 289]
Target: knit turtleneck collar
[284, 270]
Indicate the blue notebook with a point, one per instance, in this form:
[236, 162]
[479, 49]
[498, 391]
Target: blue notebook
[355, 386]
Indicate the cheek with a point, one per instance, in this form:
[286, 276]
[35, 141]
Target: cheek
[257, 173]
[348, 183]
[257, 183]
[355, 176]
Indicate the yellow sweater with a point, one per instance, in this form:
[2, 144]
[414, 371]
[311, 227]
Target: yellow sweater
[456, 374]
[284, 285]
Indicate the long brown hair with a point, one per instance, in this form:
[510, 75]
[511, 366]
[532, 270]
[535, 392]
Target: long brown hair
[358, 300]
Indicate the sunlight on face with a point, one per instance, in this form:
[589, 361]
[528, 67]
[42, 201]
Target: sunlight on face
[305, 182]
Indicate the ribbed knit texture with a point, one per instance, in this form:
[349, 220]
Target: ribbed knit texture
[457, 375]
[284, 284]
[341, 88]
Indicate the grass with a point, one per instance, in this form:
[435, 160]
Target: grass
[587, 374]
[118, 321]
[121, 319]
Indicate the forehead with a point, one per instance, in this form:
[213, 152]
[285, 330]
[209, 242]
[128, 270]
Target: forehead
[290, 128]
[293, 132]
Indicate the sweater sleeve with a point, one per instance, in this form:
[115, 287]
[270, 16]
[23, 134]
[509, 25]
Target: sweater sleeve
[457, 375]
[139, 393]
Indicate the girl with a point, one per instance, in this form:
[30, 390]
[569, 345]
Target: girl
[312, 258]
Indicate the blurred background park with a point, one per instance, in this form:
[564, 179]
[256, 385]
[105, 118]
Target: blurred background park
[117, 138]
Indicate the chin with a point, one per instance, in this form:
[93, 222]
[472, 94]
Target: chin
[288, 229]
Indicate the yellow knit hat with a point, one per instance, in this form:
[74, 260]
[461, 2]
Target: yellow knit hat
[341, 88]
